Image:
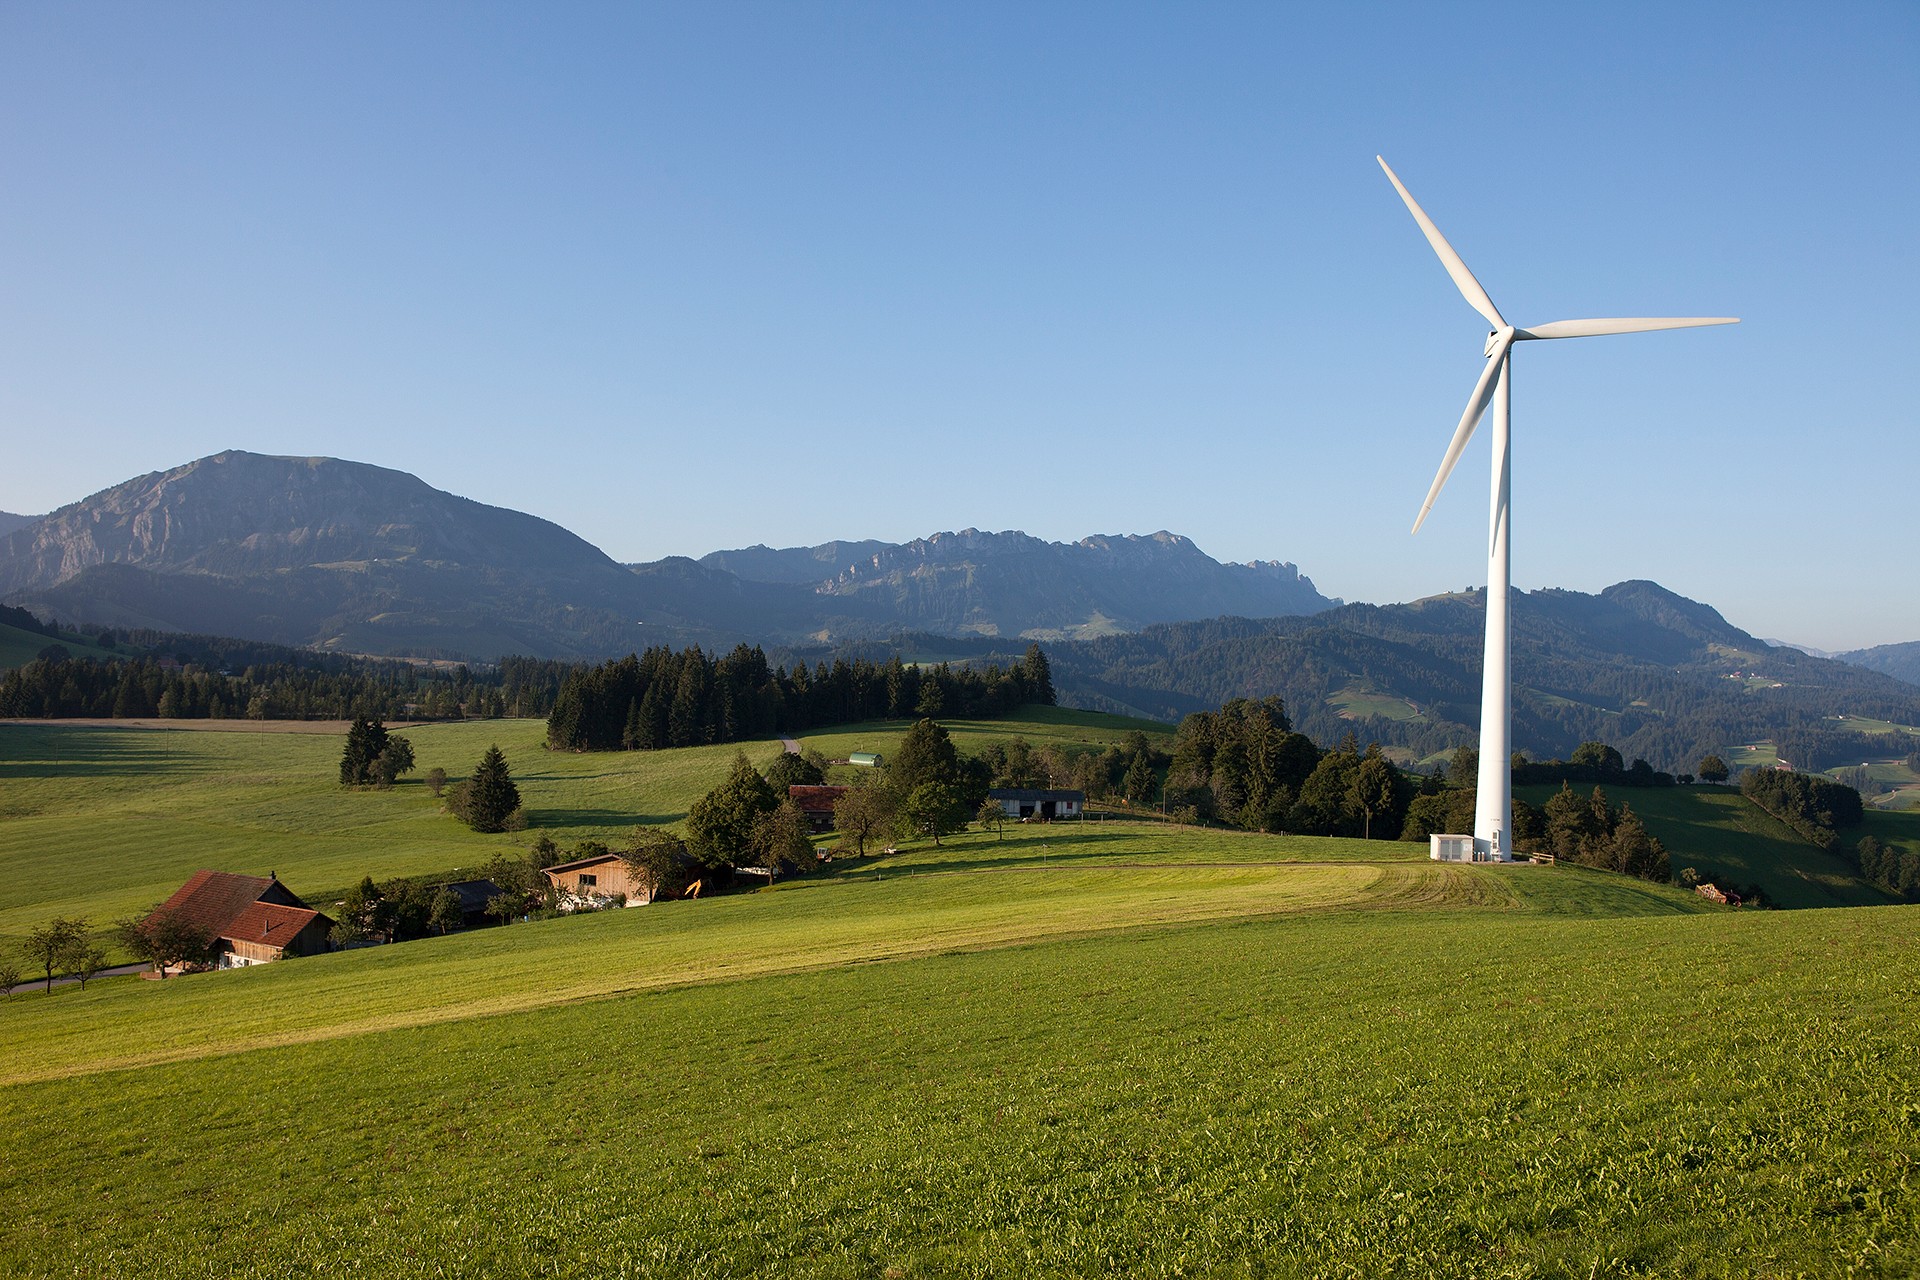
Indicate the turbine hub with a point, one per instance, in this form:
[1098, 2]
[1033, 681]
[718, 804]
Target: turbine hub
[1493, 341]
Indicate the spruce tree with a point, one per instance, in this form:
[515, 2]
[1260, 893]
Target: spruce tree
[1039, 676]
[491, 796]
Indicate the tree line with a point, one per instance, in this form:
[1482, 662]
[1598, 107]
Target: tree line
[299, 686]
[666, 698]
[1816, 808]
[1245, 766]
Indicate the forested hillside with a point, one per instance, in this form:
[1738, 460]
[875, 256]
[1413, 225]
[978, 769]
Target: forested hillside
[1652, 673]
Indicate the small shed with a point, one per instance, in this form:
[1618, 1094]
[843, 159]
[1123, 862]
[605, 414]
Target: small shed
[1025, 803]
[474, 896]
[1451, 848]
[865, 759]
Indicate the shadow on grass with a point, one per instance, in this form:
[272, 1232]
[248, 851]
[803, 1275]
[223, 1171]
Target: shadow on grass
[554, 821]
[37, 751]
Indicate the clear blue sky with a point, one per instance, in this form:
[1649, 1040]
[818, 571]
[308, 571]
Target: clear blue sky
[697, 276]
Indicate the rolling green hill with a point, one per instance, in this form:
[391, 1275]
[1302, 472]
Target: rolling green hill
[105, 821]
[19, 647]
[1072, 1049]
[1253, 1069]
[1727, 838]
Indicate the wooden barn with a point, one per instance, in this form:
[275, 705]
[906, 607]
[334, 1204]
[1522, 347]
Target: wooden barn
[597, 882]
[253, 919]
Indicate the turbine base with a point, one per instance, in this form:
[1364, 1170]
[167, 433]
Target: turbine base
[1449, 848]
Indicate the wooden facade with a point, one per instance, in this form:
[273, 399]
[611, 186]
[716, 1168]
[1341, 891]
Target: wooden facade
[597, 880]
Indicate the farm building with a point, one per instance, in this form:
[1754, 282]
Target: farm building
[598, 881]
[254, 919]
[1023, 803]
[865, 759]
[474, 896]
[817, 803]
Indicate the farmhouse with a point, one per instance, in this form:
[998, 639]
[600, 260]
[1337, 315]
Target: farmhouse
[1020, 802]
[599, 881]
[253, 919]
[817, 803]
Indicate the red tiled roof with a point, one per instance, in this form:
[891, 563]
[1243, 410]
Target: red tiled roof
[815, 799]
[211, 899]
[268, 923]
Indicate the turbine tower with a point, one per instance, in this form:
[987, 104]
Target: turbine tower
[1493, 805]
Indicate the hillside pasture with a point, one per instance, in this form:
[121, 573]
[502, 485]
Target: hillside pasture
[1040, 726]
[973, 891]
[1450, 1091]
[19, 646]
[1357, 702]
[1727, 838]
[103, 822]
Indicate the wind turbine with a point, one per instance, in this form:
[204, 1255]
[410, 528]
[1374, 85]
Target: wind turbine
[1493, 805]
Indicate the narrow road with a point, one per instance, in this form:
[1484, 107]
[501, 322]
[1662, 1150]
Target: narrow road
[792, 745]
[40, 984]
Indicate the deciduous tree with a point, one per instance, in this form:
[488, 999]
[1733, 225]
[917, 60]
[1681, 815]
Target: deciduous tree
[54, 945]
[720, 824]
[933, 809]
[780, 839]
[166, 940]
[863, 812]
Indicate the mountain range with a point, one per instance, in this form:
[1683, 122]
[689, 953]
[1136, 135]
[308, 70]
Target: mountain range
[353, 557]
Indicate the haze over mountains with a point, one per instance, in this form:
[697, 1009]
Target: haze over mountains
[361, 558]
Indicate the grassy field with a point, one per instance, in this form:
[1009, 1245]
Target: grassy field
[974, 890]
[101, 822]
[1895, 828]
[1355, 702]
[1721, 834]
[1040, 726]
[1516, 1075]
[1078, 1049]
[18, 647]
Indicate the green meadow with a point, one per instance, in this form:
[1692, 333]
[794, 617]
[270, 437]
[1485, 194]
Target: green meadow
[1040, 726]
[19, 647]
[1513, 1073]
[104, 822]
[1724, 836]
[1077, 1049]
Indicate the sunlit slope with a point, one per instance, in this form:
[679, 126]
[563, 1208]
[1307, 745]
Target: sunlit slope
[102, 822]
[1460, 1091]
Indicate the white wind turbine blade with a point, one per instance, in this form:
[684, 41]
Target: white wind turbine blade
[1630, 324]
[1456, 267]
[1476, 407]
